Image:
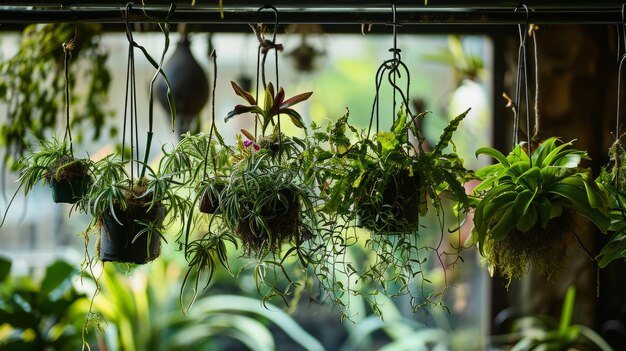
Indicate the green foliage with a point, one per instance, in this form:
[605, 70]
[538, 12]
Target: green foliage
[114, 193]
[144, 314]
[358, 175]
[53, 159]
[273, 106]
[613, 179]
[521, 195]
[32, 79]
[544, 333]
[383, 184]
[40, 315]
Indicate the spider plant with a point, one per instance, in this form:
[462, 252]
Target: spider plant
[130, 212]
[265, 202]
[526, 206]
[54, 163]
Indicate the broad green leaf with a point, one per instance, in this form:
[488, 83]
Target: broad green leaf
[576, 198]
[615, 249]
[518, 154]
[528, 221]
[530, 179]
[244, 94]
[544, 210]
[446, 136]
[493, 153]
[522, 203]
[56, 274]
[505, 224]
[489, 171]
[493, 205]
[518, 168]
[543, 150]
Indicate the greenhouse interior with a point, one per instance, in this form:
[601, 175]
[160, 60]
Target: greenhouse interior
[284, 175]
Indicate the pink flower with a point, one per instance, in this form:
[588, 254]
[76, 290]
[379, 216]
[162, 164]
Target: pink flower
[247, 143]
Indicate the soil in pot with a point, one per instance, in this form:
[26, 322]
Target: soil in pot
[69, 181]
[281, 224]
[396, 211]
[116, 240]
[211, 199]
[542, 248]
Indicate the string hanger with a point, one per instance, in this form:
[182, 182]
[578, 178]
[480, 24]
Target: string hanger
[130, 101]
[622, 60]
[394, 68]
[521, 82]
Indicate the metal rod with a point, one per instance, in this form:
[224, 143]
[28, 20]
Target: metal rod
[405, 16]
[510, 4]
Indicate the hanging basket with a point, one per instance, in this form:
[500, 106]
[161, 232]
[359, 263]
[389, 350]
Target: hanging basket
[119, 241]
[392, 208]
[70, 190]
[210, 200]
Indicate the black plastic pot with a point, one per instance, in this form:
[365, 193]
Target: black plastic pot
[116, 240]
[397, 211]
[69, 190]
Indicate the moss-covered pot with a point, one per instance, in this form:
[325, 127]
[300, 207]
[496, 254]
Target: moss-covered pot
[277, 222]
[392, 208]
[543, 249]
[119, 241]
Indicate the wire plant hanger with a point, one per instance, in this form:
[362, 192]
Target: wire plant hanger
[130, 102]
[265, 46]
[394, 68]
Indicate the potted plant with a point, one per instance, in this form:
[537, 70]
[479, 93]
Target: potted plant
[129, 213]
[526, 206]
[54, 164]
[383, 183]
[266, 203]
[612, 178]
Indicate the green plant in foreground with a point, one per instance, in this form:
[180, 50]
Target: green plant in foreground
[543, 333]
[137, 207]
[525, 206]
[40, 315]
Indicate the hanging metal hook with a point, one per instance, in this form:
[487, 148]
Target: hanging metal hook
[125, 16]
[394, 24]
[266, 44]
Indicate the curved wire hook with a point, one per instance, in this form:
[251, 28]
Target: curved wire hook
[125, 13]
[276, 21]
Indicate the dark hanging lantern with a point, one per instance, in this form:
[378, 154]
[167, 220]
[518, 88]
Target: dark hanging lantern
[189, 84]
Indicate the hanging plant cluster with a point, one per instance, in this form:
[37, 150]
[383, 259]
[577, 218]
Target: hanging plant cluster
[298, 206]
